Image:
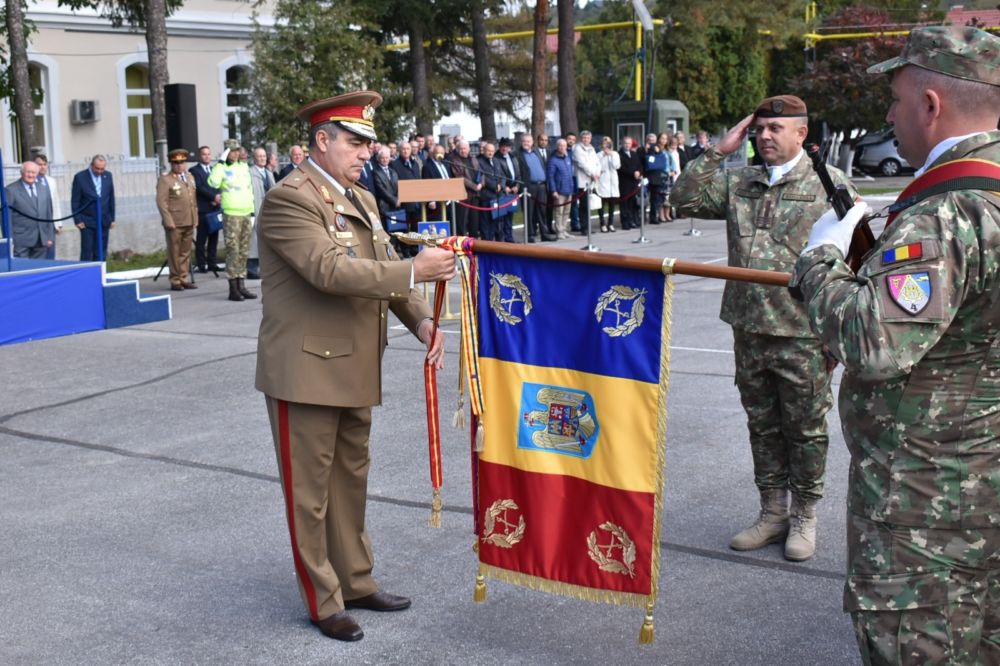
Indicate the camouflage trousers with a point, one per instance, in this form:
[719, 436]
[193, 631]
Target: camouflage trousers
[238, 230]
[785, 390]
[923, 596]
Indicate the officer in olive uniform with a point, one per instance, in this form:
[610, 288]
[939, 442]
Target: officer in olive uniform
[329, 279]
[176, 197]
[918, 331]
[782, 374]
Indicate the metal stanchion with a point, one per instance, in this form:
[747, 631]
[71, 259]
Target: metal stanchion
[527, 212]
[642, 214]
[589, 247]
[692, 231]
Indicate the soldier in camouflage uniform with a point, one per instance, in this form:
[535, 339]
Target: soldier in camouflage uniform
[918, 332]
[781, 371]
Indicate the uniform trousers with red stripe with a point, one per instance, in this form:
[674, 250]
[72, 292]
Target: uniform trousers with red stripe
[323, 462]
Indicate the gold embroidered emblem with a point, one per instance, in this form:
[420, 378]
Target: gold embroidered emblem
[604, 554]
[625, 321]
[325, 192]
[368, 113]
[503, 305]
[497, 514]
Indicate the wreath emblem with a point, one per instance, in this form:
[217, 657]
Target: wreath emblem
[603, 554]
[368, 113]
[625, 321]
[497, 514]
[502, 307]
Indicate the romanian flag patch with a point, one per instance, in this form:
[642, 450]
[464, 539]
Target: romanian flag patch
[894, 255]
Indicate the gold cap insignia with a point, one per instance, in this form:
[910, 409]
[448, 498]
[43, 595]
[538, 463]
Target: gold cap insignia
[368, 113]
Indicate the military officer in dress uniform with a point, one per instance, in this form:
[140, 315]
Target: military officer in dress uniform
[781, 372]
[176, 197]
[918, 331]
[330, 278]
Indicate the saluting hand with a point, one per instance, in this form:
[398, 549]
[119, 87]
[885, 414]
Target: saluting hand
[736, 137]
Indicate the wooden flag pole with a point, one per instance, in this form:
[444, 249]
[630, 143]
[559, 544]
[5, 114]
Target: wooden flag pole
[667, 265]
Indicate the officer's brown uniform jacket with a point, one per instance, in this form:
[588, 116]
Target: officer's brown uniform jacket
[177, 200]
[328, 281]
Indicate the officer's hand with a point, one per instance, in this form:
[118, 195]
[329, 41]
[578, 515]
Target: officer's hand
[433, 264]
[435, 346]
[828, 230]
[736, 137]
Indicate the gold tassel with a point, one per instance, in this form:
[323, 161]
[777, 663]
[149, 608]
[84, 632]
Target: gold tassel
[436, 509]
[480, 436]
[479, 594]
[646, 633]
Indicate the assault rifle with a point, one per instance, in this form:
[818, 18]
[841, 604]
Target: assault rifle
[838, 196]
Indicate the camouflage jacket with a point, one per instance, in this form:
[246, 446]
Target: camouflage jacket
[767, 227]
[918, 332]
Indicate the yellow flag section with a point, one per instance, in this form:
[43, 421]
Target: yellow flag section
[573, 367]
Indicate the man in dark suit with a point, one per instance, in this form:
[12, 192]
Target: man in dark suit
[295, 156]
[533, 172]
[512, 187]
[25, 197]
[206, 242]
[386, 184]
[93, 203]
[465, 166]
[435, 167]
[407, 167]
[629, 176]
[492, 181]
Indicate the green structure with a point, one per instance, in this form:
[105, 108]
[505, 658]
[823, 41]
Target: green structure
[630, 118]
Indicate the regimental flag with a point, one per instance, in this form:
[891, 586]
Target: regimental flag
[573, 368]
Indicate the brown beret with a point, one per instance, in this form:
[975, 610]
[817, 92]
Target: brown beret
[782, 106]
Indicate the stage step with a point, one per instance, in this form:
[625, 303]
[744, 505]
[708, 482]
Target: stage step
[125, 306]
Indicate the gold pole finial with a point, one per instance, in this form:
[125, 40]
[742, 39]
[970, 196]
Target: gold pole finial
[668, 265]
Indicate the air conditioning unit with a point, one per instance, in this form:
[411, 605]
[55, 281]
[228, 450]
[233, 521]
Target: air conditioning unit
[84, 111]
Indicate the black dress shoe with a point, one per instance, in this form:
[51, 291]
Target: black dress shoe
[379, 601]
[203, 269]
[533, 239]
[550, 239]
[340, 626]
[215, 268]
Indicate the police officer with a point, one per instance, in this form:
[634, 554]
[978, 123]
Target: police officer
[918, 331]
[781, 372]
[232, 177]
[176, 197]
[329, 279]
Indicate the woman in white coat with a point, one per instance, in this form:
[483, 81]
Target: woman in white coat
[607, 183]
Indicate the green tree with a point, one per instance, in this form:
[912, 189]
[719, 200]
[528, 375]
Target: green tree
[336, 48]
[605, 65]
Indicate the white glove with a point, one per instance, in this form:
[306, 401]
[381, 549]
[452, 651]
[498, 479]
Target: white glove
[828, 230]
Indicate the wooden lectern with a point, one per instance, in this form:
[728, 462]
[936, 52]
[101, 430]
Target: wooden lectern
[431, 189]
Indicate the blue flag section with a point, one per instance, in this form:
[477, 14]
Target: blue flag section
[539, 306]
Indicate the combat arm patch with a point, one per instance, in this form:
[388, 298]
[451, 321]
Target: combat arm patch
[907, 277]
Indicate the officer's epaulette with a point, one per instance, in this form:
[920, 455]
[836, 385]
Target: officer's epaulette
[295, 179]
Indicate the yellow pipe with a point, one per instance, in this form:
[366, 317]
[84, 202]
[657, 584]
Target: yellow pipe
[402, 46]
[638, 62]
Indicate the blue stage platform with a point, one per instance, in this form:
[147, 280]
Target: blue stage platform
[44, 299]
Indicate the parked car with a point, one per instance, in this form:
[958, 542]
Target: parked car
[878, 153]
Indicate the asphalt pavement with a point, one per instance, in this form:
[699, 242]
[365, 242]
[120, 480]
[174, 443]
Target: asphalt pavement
[142, 521]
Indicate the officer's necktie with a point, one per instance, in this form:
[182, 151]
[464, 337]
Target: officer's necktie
[349, 193]
[31, 190]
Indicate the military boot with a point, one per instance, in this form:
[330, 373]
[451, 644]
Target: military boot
[801, 543]
[242, 288]
[234, 292]
[771, 525]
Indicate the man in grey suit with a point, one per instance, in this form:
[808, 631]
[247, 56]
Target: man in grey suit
[29, 199]
[262, 180]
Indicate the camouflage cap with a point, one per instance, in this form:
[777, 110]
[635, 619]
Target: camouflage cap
[232, 144]
[960, 51]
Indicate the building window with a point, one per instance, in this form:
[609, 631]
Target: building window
[138, 111]
[38, 76]
[237, 105]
